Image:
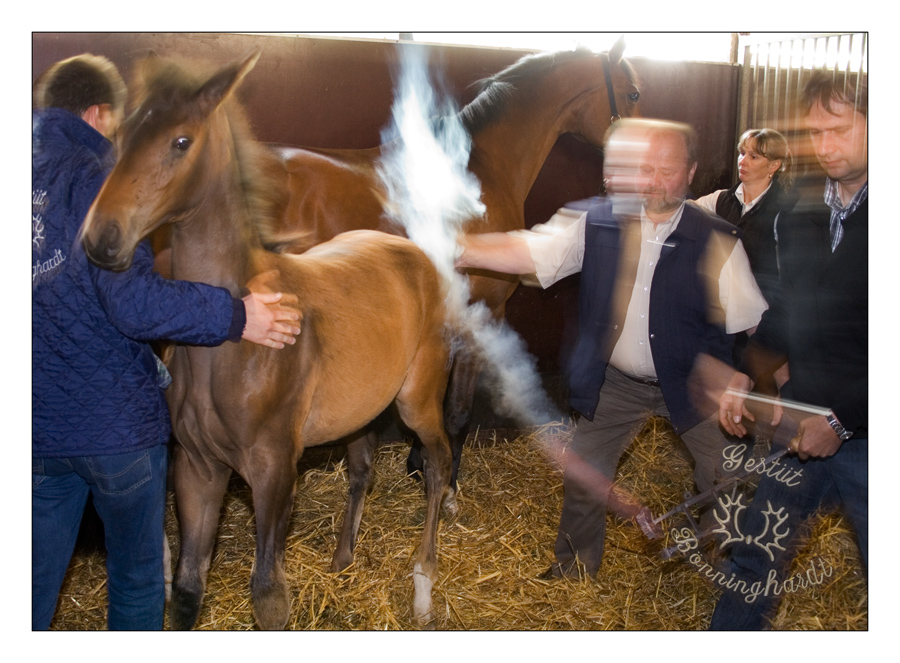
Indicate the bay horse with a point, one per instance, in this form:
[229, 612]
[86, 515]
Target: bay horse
[514, 122]
[373, 333]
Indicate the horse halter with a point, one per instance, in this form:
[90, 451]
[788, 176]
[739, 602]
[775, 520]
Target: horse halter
[610, 92]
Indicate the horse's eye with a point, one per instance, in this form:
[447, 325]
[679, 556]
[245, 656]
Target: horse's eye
[182, 143]
[634, 96]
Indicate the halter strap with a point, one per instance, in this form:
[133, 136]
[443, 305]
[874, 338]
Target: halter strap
[610, 92]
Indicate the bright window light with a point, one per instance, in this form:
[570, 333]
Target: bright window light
[841, 51]
[696, 46]
[791, 49]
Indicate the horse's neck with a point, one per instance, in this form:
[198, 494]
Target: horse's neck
[509, 153]
[215, 243]
[507, 162]
[211, 245]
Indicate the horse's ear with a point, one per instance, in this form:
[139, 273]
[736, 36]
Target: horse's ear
[144, 72]
[223, 83]
[615, 53]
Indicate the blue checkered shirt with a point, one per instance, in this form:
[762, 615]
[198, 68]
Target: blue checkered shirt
[838, 211]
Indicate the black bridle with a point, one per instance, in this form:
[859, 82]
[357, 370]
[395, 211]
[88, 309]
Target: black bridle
[611, 93]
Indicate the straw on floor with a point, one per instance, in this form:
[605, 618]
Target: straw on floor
[491, 554]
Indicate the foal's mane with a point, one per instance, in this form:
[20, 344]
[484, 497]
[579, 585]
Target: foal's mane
[264, 199]
[173, 81]
[495, 92]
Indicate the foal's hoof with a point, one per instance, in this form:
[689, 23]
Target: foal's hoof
[272, 607]
[183, 610]
[341, 561]
[429, 625]
[423, 610]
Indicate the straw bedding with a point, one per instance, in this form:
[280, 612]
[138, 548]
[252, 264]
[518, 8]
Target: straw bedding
[490, 554]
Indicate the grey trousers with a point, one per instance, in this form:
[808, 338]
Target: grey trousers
[593, 456]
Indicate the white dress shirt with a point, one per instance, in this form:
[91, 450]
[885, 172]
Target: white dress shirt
[708, 202]
[557, 248]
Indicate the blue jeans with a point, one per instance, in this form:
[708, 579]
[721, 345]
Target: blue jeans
[129, 493]
[840, 481]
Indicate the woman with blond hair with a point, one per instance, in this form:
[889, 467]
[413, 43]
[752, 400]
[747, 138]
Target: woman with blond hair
[753, 204]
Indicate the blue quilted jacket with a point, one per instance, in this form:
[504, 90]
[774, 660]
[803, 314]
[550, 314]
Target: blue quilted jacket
[95, 384]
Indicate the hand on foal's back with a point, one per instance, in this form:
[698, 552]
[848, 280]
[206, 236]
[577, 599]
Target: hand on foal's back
[272, 317]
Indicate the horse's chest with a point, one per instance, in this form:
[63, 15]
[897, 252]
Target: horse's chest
[197, 418]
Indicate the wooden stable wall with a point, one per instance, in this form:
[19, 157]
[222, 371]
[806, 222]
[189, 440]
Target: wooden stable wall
[325, 92]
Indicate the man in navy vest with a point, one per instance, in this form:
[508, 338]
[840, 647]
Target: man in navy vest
[663, 285]
[819, 324]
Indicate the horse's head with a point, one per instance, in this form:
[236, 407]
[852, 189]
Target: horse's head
[625, 84]
[615, 96]
[166, 148]
[577, 92]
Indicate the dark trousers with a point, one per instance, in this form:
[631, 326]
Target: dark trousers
[592, 459]
[838, 481]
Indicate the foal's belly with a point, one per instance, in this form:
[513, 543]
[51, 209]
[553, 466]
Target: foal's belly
[343, 404]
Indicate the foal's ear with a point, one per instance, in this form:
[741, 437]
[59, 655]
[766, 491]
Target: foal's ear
[222, 84]
[145, 71]
[615, 53]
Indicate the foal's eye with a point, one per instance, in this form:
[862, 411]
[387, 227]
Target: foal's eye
[634, 96]
[182, 143]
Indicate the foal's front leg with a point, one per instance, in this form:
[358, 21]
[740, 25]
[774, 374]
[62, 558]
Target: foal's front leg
[198, 501]
[273, 499]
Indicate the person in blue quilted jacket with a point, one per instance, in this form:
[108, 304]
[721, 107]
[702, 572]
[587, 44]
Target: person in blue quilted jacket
[100, 424]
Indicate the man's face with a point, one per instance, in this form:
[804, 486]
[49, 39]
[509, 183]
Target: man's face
[622, 160]
[840, 142]
[668, 173]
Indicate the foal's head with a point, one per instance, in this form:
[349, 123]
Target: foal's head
[170, 149]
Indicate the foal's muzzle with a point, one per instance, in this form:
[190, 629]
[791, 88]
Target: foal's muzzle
[104, 247]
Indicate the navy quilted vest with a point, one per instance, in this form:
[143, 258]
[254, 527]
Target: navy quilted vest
[686, 318]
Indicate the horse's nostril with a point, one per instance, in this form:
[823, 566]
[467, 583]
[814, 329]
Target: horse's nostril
[104, 247]
[111, 240]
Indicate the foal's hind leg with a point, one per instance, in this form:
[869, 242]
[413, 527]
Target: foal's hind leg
[419, 404]
[360, 453]
[458, 407]
[198, 500]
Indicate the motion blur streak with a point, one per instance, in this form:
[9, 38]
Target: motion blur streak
[432, 194]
